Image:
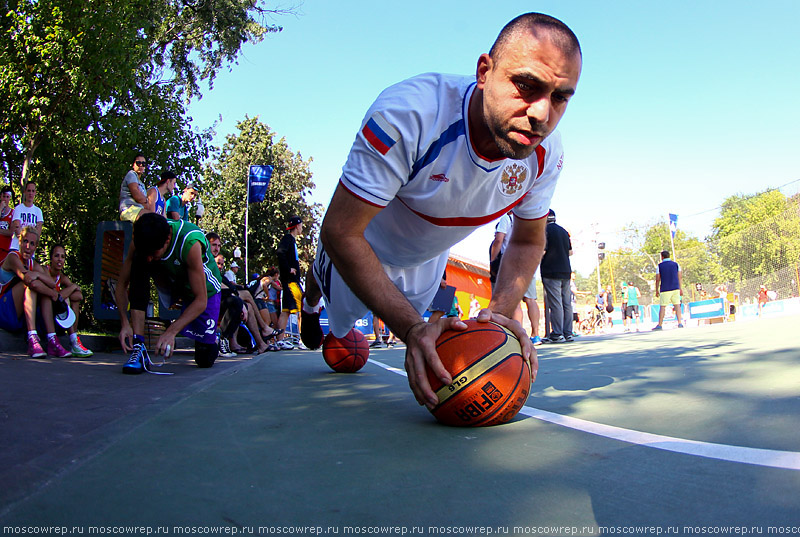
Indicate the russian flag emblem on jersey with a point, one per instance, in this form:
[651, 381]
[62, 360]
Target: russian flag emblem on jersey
[380, 134]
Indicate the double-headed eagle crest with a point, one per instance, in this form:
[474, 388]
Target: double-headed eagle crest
[513, 177]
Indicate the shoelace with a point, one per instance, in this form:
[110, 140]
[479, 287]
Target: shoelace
[147, 364]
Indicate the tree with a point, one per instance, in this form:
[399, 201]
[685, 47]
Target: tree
[287, 195]
[755, 236]
[67, 66]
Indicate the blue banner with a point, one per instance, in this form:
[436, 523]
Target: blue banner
[673, 224]
[257, 182]
[707, 309]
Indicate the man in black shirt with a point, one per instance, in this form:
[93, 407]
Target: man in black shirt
[555, 270]
[289, 267]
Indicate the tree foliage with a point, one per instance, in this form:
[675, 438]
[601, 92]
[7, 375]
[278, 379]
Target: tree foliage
[756, 235]
[79, 72]
[287, 195]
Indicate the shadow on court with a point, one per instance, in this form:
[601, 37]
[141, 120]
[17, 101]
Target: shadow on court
[282, 441]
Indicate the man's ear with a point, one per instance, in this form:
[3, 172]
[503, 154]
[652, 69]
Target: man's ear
[485, 64]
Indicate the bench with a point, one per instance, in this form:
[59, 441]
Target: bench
[111, 244]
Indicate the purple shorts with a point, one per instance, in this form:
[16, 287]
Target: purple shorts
[9, 319]
[204, 327]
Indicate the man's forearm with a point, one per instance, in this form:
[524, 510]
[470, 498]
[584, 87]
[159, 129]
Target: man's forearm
[361, 270]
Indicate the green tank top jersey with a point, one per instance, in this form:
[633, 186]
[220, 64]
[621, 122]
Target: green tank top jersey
[184, 236]
[633, 296]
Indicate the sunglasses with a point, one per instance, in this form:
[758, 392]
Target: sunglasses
[140, 163]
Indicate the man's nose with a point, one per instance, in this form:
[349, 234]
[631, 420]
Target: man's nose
[539, 110]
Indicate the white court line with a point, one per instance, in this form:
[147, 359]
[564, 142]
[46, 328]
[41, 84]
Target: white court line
[787, 460]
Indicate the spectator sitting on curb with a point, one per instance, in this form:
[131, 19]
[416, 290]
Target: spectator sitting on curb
[24, 285]
[273, 287]
[71, 292]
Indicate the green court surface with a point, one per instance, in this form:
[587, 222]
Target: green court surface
[677, 432]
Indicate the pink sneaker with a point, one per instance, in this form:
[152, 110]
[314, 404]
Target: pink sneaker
[35, 348]
[54, 348]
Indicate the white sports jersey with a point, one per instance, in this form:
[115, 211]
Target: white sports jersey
[414, 157]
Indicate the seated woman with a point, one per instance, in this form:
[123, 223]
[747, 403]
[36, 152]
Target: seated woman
[249, 315]
[71, 293]
[24, 285]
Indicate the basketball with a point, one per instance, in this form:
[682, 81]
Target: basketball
[347, 354]
[491, 381]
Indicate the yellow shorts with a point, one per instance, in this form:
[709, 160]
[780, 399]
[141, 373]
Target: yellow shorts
[292, 297]
[131, 213]
[670, 297]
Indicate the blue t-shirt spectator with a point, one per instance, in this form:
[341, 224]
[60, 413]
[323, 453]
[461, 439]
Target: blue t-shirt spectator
[174, 205]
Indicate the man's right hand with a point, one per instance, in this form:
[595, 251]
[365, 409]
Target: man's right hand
[421, 355]
[126, 338]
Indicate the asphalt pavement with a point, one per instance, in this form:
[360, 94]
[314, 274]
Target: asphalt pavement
[684, 431]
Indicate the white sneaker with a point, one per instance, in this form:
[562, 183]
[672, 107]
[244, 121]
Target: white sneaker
[285, 345]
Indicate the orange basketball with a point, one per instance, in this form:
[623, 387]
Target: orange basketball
[491, 381]
[347, 354]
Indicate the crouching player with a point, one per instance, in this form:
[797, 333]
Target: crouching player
[24, 286]
[176, 255]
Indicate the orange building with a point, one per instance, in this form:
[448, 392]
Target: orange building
[470, 278]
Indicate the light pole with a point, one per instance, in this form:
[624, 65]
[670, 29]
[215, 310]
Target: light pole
[600, 256]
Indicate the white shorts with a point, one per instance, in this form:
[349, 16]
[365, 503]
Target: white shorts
[531, 292]
[419, 285]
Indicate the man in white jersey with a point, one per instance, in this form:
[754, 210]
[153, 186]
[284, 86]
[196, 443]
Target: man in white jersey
[437, 157]
[26, 214]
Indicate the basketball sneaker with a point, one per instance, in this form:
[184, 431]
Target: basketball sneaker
[536, 340]
[35, 348]
[79, 350]
[135, 363]
[310, 330]
[225, 348]
[54, 348]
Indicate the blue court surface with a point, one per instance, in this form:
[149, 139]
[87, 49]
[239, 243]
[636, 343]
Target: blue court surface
[685, 431]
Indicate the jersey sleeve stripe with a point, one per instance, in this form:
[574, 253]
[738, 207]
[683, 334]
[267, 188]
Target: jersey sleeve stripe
[532, 219]
[460, 221]
[350, 187]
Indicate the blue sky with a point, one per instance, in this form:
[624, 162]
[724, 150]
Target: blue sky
[680, 103]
